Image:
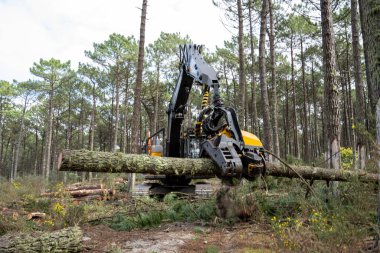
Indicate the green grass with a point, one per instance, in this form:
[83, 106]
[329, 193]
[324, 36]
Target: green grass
[175, 210]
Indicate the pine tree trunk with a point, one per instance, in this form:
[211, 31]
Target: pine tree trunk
[253, 84]
[19, 139]
[125, 123]
[294, 111]
[117, 111]
[84, 160]
[242, 80]
[370, 24]
[156, 100]
[332, 100]
[274, 82]
[306, 146]
[137, 98]
[46, 161]
[263, 83]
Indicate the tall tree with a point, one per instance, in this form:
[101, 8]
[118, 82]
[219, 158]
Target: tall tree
[252, 69]
[332, 100]
[137, 92]
[263, 82]
[51, 71]
[370, 24]
[359, 87]
[273, 74]
[242, 80]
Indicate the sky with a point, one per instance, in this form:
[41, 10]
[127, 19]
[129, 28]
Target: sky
[64, 29]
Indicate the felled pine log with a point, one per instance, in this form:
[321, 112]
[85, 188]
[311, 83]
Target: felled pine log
[65, 240]
[83, 160]
[84, 191]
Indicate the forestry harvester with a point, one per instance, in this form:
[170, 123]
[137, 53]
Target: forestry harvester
[216, 133]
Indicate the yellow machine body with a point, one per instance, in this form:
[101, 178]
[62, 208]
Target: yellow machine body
[251, 139]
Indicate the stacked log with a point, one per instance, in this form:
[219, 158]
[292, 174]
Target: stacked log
[85, 192]
[65, 240]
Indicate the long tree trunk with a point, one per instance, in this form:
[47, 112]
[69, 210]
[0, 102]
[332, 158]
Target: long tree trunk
[359, 87]
[117, 111]
[19, 139]
[253, 84]
[315, 112]
[294, 111]
[49, 133]
[370, 24]
[332, 100]
[306, 147]
[84, 160]
[263, 83]
[242, 80]
[274, 83]
[137, 98]
[125, 128]
[156, 100]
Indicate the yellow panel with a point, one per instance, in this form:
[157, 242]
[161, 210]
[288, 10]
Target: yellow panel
[156, 154]
[251, 139]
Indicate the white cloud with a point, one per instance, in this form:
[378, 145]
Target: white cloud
[63, 29]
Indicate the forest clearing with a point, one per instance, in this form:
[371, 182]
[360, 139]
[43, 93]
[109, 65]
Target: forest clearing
[268, 142]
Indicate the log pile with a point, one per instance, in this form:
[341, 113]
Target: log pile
[85, 192]
[83, 160]
[65, 240]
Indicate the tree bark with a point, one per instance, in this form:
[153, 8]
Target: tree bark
[65, 240]
[137, 98]
[332, 100]
[370, 24]
[242, 81]
[83, 160]
[253, 84]
[306, 146]
[263, 83]
[274, 83]
[294, 111]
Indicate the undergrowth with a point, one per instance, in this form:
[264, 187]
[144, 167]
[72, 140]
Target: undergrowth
[172, 209]
[316, 221]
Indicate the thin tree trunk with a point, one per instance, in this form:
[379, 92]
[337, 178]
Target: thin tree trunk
[274, 83]
[242, 80]
[359, 86]
[263, 83]
[305, 117]
[19, 138]
[125, 128]
[253, 84]
[294, 116]
[156, 100]
[137, 98]
[49, 133]
[117, 111]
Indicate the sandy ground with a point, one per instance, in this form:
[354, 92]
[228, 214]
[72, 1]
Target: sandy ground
[181, 237]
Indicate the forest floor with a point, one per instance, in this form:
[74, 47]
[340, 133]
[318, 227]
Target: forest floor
[270, 216]
[181, 237]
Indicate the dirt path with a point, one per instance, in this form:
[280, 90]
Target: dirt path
[180, 237]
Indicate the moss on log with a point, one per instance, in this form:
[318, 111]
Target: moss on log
[65, 240]
[83, 160]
